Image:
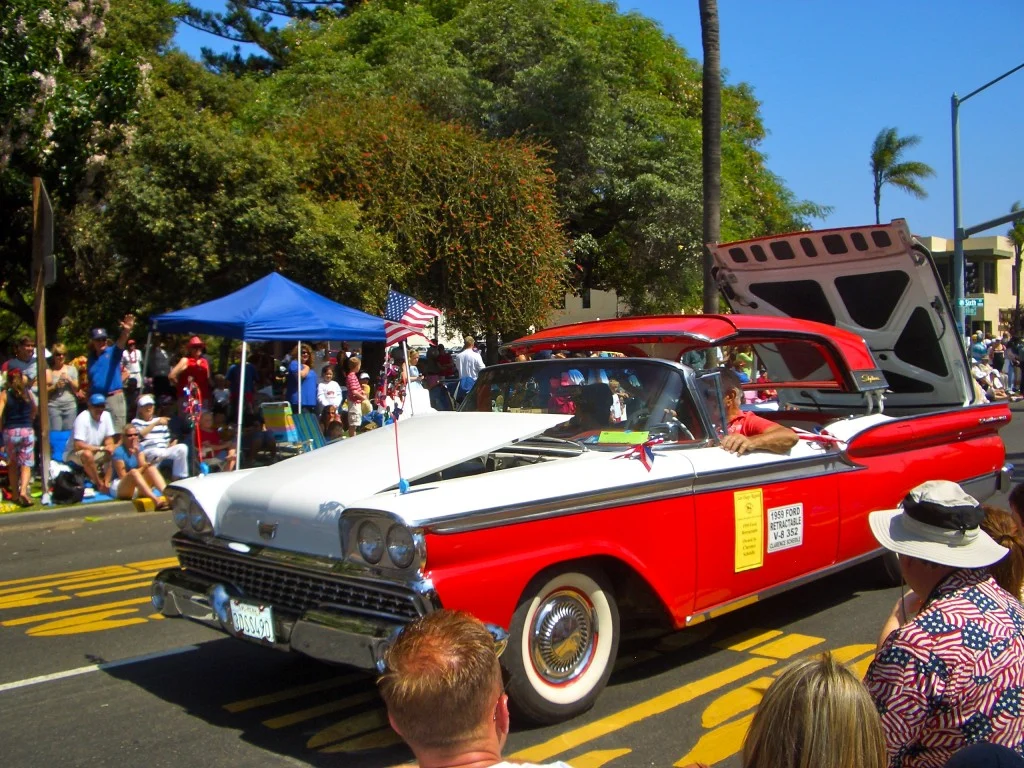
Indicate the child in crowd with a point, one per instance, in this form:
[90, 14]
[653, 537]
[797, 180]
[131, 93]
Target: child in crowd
[213, 444]
[328, 391]
[356, 396]
[221, 394]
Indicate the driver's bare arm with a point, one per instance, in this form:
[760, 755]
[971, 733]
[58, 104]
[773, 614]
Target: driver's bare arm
[778, 439]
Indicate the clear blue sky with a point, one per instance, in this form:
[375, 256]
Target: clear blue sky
[830, 74]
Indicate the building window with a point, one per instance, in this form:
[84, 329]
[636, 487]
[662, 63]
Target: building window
[988, 277]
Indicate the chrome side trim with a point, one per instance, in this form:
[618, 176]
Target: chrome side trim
[642, 493]
[732, 605]
[989, 484]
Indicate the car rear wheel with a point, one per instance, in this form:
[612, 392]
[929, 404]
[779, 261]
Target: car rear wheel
[562, 646]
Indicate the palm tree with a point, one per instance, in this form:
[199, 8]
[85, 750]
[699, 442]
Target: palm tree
[1016, 235]
[711, 142]
[888, 166]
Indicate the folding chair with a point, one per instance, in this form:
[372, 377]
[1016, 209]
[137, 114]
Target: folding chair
[310, 434]
[279, 420]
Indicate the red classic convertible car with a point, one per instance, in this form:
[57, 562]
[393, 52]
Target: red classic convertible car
[558, 520]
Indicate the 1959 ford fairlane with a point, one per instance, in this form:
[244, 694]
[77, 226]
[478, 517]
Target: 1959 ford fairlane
[560, 530]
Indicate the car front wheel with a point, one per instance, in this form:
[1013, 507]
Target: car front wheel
[562, 646]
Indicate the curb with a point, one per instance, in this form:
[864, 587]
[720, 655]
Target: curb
[69, 512]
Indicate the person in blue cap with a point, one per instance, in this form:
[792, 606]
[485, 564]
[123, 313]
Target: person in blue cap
[91, 446]
[105, 370]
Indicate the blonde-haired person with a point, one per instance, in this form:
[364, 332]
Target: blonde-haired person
[62, 390]
[817, 714]
[133, 475]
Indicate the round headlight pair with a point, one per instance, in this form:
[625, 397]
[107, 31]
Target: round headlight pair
[399, 544]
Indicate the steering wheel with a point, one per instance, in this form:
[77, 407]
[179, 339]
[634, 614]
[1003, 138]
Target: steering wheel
[637, 419]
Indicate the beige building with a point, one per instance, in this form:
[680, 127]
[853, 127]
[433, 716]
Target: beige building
[989, 268]
[589, 305]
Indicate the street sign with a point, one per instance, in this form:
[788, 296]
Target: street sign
[42, 235]
[971, 302]
[970, 310]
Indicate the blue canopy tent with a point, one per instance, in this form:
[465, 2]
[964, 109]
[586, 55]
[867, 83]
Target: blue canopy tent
[272, 309]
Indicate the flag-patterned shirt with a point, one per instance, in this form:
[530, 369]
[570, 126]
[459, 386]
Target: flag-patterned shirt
[954, 675]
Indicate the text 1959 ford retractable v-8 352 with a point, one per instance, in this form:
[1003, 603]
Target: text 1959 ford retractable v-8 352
[558, 522]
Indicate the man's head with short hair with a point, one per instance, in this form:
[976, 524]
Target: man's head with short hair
[443, 686]
[468, 342]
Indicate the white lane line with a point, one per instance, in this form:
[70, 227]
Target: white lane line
[94, 668]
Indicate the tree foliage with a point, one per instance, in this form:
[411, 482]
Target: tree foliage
[888, 166]
[474, 219]
[616, 100]
[71, 80]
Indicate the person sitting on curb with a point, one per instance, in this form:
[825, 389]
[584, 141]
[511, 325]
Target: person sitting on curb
[443, 691]
[155, 439]
[92, 442]
[953, 673]
[133, 475]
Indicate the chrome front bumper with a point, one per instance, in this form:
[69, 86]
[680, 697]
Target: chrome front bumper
[333, 636]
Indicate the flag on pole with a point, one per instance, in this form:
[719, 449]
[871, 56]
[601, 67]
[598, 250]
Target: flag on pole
[404, 316]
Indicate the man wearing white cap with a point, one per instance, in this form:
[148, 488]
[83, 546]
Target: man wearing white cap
[953, 674]
[157, 444]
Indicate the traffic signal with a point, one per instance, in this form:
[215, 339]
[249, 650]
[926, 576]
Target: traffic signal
[971, 284]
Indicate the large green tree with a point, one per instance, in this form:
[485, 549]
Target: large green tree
[889, 166]
[616, 100]
[72, 76]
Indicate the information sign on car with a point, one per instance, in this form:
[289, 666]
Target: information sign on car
[255, 621]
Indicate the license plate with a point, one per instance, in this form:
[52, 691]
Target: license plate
[255, 621]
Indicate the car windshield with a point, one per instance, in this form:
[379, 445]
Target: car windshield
[613, 401]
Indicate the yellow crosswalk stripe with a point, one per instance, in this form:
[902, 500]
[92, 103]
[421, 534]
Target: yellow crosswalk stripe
[351, 726]
[291, 693]
[86, 573]
[90, 622]
[598, 758]
[61, 581]
[719, 744]
[630, 715]
[28, 599]
[121, 588]
[735, 702]
[73, 612]
[378, 739]
[746, 640]
[103, 582]
[323, 709]
[788, 646]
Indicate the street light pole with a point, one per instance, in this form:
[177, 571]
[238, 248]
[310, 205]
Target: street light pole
[958, 234]
[958, 228]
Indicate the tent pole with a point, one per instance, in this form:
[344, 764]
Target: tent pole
[241, 405]
[298, 373]
[145, 360]
[405, 367]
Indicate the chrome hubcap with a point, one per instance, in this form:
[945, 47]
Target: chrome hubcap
[563, 636]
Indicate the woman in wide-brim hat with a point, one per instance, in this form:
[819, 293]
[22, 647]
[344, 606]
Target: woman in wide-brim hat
[191, 374]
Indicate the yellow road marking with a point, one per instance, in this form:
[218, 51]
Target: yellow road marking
[788, 646]
[27, 599]
[744, 641]
[86, 573]
[73, 612]
[641, 711]
[94, 622]
[352, 726]
[291, 693]
[61, 582]
[156, 617]
[385, 737]
[324, 709]
[735, 702]
[860, 669]
[848, 653]
[108, 590]
[154, 565]
[104, 582]
[598, 758]
[719, 744]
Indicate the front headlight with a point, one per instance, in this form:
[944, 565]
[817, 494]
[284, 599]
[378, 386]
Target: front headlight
[370, 542]
[401, 548]
[179, 510]
[197, 519]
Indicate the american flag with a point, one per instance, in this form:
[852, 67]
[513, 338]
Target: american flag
[404, 316]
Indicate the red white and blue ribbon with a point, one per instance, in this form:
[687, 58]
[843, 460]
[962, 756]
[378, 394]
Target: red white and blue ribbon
[644, 452]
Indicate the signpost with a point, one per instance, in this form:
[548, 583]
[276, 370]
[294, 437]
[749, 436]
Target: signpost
[44, 273]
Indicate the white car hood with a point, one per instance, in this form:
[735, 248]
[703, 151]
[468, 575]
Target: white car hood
[305, 495]
[875, 281]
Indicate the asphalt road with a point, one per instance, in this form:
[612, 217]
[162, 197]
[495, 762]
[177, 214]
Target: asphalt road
[89, 675]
